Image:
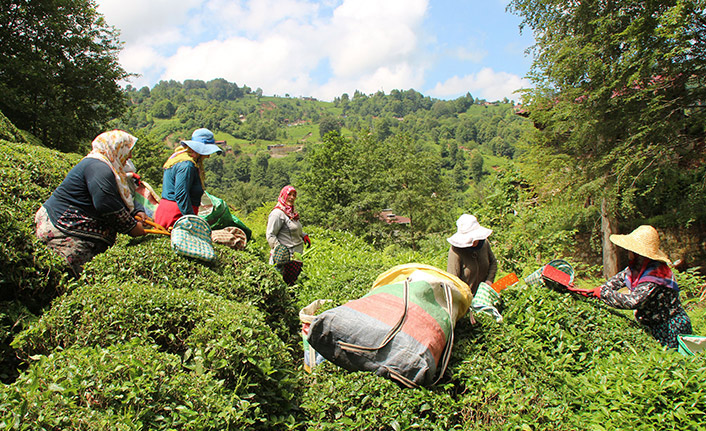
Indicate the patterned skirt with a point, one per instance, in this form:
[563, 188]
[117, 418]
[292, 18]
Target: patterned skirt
[77, 251]
[666, 332]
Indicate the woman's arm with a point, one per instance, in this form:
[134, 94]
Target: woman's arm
[453, 264]
[492, 267]
[274, 224]
[630, 300]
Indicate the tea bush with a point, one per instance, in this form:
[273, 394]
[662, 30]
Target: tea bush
[212, 335]
[511, 375]
[30, 275]
[652, 390]
[13, 318]
[28, 175]
[337, 400]
[235, 275]
[121, 387]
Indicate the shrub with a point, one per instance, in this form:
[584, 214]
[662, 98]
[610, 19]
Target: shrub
[30, 271]
[234, 275]
[31, 275]
[121, 387]
[224, 338]
[14, 317]
[337, 399]
[652, 390]
[518, 374]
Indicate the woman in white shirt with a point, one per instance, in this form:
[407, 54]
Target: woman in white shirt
[285, 235]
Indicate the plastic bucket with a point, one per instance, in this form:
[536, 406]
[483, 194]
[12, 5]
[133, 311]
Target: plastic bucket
[307, 314]
[690, 345]
[536, 279]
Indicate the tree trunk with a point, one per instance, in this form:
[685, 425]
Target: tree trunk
[610, 251]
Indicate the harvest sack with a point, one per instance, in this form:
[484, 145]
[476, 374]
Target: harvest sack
[281, 255]
[402, 331]
[536, 278]
[690, 345]
[146, 196]
[486, 301]
[191, 237]
[230, 236]
[216, 212]
[307, 314]
[290, 271]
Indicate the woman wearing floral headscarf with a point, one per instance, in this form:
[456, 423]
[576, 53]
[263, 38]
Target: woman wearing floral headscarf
[647, 286]
[94, 202]
[285, 235]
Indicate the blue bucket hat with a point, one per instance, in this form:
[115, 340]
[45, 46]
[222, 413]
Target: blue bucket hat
[202, 142]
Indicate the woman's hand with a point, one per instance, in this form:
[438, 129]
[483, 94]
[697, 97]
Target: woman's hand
[138, 230]
[141, 215]
[588, 293]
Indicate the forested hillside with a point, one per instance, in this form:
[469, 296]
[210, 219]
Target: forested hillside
[268, 137]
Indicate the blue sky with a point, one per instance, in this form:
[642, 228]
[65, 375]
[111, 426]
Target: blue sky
[441, 48]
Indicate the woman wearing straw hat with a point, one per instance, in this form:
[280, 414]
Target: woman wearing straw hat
[470, 257]
[652, 291]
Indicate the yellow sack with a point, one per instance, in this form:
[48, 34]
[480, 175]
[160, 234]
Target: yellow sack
[461, 292]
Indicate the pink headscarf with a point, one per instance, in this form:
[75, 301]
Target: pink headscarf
[282, 203]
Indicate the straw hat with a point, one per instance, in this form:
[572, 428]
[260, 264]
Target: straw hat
[468, 230]
[643, 241]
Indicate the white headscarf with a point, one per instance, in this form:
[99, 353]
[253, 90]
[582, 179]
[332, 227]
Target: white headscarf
[113, 148]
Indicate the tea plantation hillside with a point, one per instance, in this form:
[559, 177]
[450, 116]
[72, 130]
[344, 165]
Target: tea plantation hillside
[149, 340]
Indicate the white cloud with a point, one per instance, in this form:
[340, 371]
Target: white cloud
[402, 77]
[152, 22]
[369, 34]
[486, 84]
[368, 46]
[258, 17]
[319, 48]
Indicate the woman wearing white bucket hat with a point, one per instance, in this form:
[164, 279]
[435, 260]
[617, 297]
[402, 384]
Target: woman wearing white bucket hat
[652, 291]
[470, 257]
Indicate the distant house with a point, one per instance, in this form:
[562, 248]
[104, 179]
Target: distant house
[389, 217]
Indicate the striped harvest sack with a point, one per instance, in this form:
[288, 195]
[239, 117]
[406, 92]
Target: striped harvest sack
[402, 330]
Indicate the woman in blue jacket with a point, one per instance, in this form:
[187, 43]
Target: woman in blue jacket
[183, 178]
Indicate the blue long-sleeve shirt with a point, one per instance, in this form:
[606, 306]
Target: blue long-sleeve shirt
[181, 184]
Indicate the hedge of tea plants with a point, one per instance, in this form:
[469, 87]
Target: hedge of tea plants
[30, 275]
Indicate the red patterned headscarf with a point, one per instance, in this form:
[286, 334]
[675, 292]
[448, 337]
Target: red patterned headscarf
[651, 271]
[282, 202]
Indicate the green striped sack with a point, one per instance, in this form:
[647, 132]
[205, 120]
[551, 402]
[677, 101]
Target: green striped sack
[402, 331]
[486, 301]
